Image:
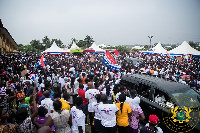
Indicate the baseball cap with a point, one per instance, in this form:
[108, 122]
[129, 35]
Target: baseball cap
[153, 119]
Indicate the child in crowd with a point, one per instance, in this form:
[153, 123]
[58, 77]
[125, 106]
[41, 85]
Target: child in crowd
[42, 111]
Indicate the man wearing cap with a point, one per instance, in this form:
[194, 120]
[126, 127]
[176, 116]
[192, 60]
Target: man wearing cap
[152, 127]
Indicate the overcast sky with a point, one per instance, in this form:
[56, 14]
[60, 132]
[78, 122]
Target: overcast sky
[111, 22]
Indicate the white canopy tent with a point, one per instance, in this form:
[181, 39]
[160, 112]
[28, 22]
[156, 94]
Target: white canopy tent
[159, 49]
[54, 49]
[74, 48]
[184, 49]
[96, 48]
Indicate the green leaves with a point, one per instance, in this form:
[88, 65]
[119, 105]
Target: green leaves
[85, 43]
[37, 46]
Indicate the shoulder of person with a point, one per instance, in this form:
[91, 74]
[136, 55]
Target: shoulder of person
[65, 112]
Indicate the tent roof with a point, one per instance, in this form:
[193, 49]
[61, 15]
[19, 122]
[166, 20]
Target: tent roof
[184, 48]
[67, 50]
[96, 48]
[74, 46]
[159, 49]
[54, 49]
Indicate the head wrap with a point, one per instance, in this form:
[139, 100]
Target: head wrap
[20, 95]
[153, 119]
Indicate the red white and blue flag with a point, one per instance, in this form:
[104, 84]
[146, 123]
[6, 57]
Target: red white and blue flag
[42, 61]
[33, 76]
[116, 54]
[109, 61]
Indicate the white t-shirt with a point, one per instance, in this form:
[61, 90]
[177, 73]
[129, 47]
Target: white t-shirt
[90, 94]
[128, 100]
[61, 81]
[95, 108]
[108, 114]
[76, 86]
[48, 104]
[78, 119]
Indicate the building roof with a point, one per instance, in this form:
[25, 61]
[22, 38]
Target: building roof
[7, 34]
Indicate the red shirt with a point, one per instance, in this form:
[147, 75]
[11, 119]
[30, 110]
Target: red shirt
[40, 94]
[81, 94]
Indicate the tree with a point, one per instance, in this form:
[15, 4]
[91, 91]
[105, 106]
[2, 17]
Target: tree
[169, 48]
[81, 43]
[155, 44]
[88, 41]
[58, 43]
[121, 48]
[37, 45]
[135, 50]
[192, 44]
[72, 40]
[27, 48]
[146, 47]
[47, 42]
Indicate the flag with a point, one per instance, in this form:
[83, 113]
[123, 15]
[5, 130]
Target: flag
[116, 53]
[37, 64]
[42, 61]
[33, 76]
[168, 54]
[190, 58]
[109, 61]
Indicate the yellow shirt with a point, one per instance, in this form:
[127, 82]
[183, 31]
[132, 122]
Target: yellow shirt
[122, 118]
[65, 105]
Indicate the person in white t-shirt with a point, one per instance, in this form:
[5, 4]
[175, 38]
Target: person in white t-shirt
[96, 114]
[108, 115]
[61, 81]
[90, 95]
[47, 102]
[78, 117]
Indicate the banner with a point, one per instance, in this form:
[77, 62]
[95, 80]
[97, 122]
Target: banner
[109, 61]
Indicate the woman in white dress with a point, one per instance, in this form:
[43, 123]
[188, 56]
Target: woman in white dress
[60, 118]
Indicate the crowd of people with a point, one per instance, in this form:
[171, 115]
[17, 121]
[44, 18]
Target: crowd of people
[75, 90]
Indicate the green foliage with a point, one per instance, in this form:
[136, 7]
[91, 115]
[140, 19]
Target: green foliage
[88, 41]
[58, 43]
[135, 50]
[155, 44]
[173, 46]
[27, 48]
[146, 47]
[169, 48]
[81, 43]
[111, 47]
[47, 42]
[85, 43]
[122, 48]
[36, 46]
[192, 44]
